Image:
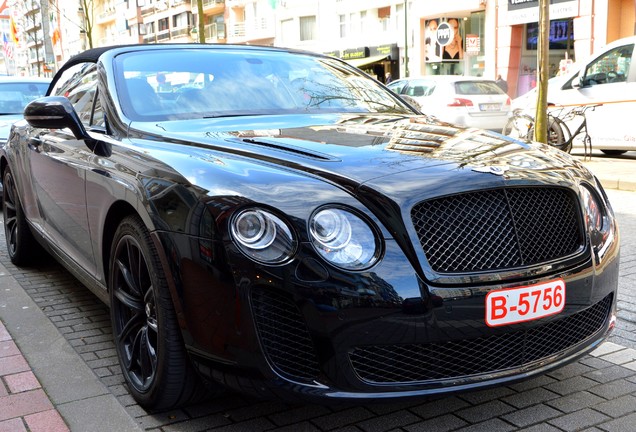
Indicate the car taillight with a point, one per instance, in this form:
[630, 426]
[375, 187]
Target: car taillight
[508, 102]
[459, 102]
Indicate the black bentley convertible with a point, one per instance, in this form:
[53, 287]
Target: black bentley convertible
[279, 223]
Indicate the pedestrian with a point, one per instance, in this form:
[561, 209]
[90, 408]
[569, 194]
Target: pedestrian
[388, 78]
[502, 83]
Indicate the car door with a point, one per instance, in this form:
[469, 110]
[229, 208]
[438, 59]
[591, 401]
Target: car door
[608, 81]
[58, 164]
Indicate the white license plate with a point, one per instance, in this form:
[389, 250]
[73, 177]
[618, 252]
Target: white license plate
[515, 305]
[490, 107]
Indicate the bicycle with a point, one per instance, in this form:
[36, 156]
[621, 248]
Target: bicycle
[521, 125]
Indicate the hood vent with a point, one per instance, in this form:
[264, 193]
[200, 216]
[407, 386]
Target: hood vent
[287, 148]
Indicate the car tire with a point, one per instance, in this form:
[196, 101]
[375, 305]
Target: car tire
[21, 245]
[557, 136]
[614, 152]
[147, 336]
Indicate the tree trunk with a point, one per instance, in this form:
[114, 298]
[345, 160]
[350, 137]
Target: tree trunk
[541, 115]
[201, 23]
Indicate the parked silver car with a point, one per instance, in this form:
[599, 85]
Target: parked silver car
[466, 101]
[15, 94]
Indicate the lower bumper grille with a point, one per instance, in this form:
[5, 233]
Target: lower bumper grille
[283, 334]
[439, 361]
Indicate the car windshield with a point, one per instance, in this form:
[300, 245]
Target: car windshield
[200, 83]
[15, 96]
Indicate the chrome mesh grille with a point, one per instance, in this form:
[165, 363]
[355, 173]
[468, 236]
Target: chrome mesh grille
[498, 229]
[456, 359]
[284, 335]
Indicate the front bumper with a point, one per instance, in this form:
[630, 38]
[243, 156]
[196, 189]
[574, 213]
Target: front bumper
[322, 344]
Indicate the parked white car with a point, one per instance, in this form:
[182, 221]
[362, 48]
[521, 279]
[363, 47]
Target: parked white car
[606, 79]
[466, 101]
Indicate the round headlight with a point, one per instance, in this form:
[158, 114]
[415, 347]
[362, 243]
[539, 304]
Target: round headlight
[343, 239]
[331, 229]
[263, 236]
[253, 229]
[593, 209]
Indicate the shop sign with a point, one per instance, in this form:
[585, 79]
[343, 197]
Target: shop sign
[385, 50]
[355, 53]
[473, 44]
[526, 11]
[445, 34]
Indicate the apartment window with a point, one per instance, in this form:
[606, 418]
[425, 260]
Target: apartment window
[354, 24]
[343, 25]
[287, 32]
[399, 12]
[164, 24]
[307, 28]
[363, 21]
[384, 12]
[182, 20]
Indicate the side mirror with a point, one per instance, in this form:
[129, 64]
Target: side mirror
[576, 82]
[55, 112]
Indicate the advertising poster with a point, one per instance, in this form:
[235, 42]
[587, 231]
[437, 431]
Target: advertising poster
[443, 40]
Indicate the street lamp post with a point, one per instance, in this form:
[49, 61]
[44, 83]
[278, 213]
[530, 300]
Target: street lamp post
[406, 40]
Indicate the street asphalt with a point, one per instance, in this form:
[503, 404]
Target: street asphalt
[59, 369]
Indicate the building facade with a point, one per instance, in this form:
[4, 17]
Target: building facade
[396, 37]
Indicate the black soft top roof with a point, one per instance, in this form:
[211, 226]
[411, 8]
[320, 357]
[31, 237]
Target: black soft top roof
[88, 56]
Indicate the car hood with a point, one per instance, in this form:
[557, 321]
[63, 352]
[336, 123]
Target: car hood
[353, 150]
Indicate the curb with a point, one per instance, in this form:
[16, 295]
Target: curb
[72, 387]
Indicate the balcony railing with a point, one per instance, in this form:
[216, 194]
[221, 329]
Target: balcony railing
[209, 5]
[179, 32]
[215, 31]
[147, 10]
[237, 30]
[163, 35]
[107, 15]
[255, 29]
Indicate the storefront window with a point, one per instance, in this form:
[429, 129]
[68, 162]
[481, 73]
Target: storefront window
[560, 53]
[454, 45]
[475, 54]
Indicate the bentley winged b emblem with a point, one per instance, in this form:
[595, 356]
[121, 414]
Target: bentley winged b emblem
[492, 169]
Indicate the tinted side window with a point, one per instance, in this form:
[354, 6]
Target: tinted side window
[79, 85]
[398, 86]
[420, 88]
[98, 119]
[611, 67]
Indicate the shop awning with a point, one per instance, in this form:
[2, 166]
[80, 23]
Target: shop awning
[366, 60]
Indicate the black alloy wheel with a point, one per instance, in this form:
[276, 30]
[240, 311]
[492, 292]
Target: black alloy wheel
[148, 340]
[21, 244]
